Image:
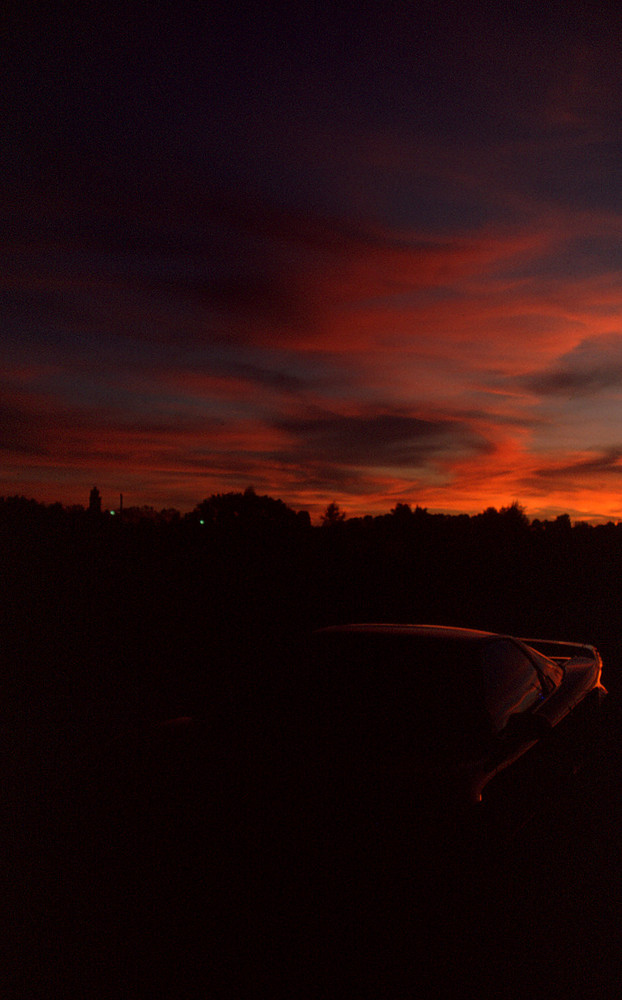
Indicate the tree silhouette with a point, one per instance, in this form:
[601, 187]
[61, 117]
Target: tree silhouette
[332, 515]
[402, 512]
[248, 510]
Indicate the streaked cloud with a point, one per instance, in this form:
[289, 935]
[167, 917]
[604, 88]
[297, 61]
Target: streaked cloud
[387, 440]
[389, 272]
[594, 365]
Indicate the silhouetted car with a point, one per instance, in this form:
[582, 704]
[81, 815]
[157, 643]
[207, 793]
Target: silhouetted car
[392, 718]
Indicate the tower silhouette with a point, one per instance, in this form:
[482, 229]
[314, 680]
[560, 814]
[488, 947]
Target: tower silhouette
[95, 501]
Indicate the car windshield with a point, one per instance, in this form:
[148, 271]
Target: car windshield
[423, 693]
[511, 681]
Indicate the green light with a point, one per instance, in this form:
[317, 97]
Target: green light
[201, 522]
[113, 512]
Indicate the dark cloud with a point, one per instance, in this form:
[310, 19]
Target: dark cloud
[592, 366]
[380, 440]
[272, 379]
[308, 230]
[496, 416]
[210, 272]
[21, 433]
[603, 464]
[560, 382]
[31, 428]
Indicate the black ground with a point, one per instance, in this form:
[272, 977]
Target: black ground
[141, 862]
[143, 871]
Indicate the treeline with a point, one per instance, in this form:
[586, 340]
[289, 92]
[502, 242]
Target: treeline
[248, 508]
[133, 613]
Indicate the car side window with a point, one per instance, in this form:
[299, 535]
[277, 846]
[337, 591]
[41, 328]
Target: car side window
[511, 681]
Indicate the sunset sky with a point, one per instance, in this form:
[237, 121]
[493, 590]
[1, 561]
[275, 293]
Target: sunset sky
[370, 256]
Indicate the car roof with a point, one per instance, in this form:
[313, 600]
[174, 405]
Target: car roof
[427, 631]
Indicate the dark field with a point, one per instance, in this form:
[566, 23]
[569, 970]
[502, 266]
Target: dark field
[141, 861]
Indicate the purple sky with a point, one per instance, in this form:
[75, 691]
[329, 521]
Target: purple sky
[340, 254]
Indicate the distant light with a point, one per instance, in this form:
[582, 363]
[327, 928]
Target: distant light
[201, 522]
[113, 512]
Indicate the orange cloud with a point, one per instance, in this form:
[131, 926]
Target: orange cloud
[341, 361]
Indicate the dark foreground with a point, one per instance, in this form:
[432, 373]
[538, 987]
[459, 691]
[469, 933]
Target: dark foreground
[165, 865]
[171, 865]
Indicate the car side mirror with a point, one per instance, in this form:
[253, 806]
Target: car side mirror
[525, 725]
